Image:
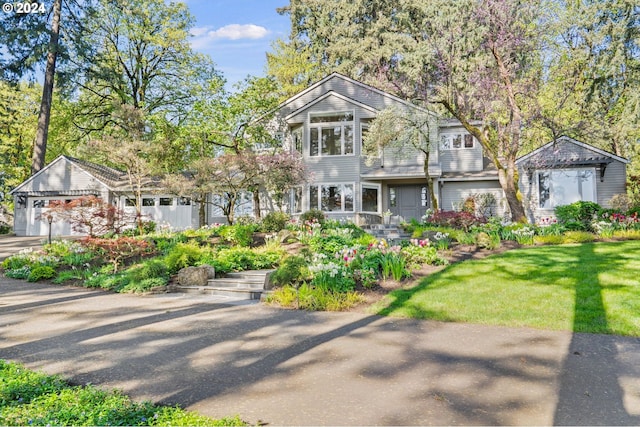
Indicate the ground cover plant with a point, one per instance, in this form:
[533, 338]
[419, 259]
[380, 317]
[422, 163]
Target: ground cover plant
[590, 287]
[37, 399]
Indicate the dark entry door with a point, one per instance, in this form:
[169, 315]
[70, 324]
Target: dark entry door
[408, 201]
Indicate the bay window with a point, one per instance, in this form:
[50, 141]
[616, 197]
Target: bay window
[559, 187]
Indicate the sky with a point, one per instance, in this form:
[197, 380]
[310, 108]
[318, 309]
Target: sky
[237, 34]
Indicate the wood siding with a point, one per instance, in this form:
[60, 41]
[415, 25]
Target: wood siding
[453, 194]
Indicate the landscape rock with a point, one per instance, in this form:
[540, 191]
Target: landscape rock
[196, 276]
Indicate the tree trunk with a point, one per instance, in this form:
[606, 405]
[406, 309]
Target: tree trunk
[509, 182]
[432, 195]
[202, 220]
[40, 144]
[256, 204]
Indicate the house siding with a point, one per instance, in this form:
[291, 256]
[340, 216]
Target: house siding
[454, 193]
[63, 176]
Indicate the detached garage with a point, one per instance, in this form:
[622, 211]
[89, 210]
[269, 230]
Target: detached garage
[68, 178]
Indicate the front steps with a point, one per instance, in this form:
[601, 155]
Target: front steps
[243, 285]
[392, 233]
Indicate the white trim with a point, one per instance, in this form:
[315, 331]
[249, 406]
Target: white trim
[552, 170]
[321, 125]
[355, 82]
[325, 96]
[342, 200]
[579, 144]
[370, 185]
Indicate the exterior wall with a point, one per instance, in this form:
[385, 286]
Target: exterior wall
[453, 194]
[460, 160]
[62, 175]
[614, 182]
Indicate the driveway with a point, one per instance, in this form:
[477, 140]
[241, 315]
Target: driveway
[10, 244]
[286, 367]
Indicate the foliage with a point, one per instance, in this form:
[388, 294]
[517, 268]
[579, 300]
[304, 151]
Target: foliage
[549, 239]
[89, 215]
[41, 272]
[33, 398]
[292, 270]
[307, 297]
[274, 221]
[68, 275]
[463, 220]
[19, 273]
[117, 250]
[240, 259]
[313, 215]
[241, 235]
[184, 255]
[578, 237]
[578, 215]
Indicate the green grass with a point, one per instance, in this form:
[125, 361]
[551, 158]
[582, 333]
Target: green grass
[590, 287]
[37, 399]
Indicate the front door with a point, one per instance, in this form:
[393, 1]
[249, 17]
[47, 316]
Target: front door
[408, 201]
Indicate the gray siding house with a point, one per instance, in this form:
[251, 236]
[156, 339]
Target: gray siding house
[67, 178]
[325, 123]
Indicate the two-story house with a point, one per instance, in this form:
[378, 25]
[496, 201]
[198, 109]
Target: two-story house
[326, 123]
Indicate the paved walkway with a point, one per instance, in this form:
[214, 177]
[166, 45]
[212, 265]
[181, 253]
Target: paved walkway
[298, 368]
[10, 244]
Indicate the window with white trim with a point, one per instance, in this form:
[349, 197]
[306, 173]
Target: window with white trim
[331, 197]
[559, 187]
[296, 202]
[370, 196]
[456, 141]
[296, 139]
[331, 134]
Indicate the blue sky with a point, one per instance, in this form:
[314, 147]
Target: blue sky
[237, 34]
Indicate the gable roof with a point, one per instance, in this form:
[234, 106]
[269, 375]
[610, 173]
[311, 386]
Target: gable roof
[550, 155]
[354, 82]
[113, 179]
[329, 94]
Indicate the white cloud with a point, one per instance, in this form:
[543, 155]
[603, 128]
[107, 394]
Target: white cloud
[238, 32]
[199, 31]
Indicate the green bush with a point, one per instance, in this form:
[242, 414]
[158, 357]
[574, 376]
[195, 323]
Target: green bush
[144, 285]
[307, 297]
[17, 261]
[183, 255]
[292, 270]
[549, 239]
[241, 235]
[578, 237]
[19, 273]
[41, 272]
[329, 245]
[67, 275]
[240, 259]
[577, 216]
[153, 268]
[275, 221]
[311, 215]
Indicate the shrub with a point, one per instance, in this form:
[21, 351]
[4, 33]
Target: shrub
[154, 268]
[313, 215]
[328, 245]
[67, 275]
[292, 270]
[41, 272]
[627, 234]
[549, 239]
[145, 284]
[275, 221]
[463, 220]
[19, 273]
[183, 255]
[578, 215]
[118, 250]
[307, 297]
[17, 261]
[417, 256]
[241, 235]
[578, 237]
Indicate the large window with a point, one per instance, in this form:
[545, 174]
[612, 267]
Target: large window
[370, 198]
[296, 139]
[331, 135]
[331, 197]
[296, 205]
[565, 186]
[456, 141]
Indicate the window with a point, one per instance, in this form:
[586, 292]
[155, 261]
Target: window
[40, 203]
[393, 200]
[424, 196]
[370, 198]
[331, 197]
[166, 201]
[565, 186]
[129, 202]
[148, 202]
[184, 201]
[331, 135]
[456, 141]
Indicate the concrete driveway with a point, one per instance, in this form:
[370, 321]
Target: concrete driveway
[11, 244]
[298, 368]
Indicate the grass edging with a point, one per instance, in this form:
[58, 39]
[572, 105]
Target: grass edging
[37, 399]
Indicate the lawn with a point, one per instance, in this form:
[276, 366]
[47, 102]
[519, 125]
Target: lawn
[591, 287]
[37, 399]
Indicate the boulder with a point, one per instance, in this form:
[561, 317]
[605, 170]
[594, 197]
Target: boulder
[196, 276]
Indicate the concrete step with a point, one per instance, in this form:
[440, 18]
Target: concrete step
[235, 293]
[247, 285]
[229, 282]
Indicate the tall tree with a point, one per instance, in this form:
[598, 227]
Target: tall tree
[474, 59]
[33, 39]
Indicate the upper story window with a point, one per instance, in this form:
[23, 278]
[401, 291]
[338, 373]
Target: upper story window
[456, 141]
[331, 134]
